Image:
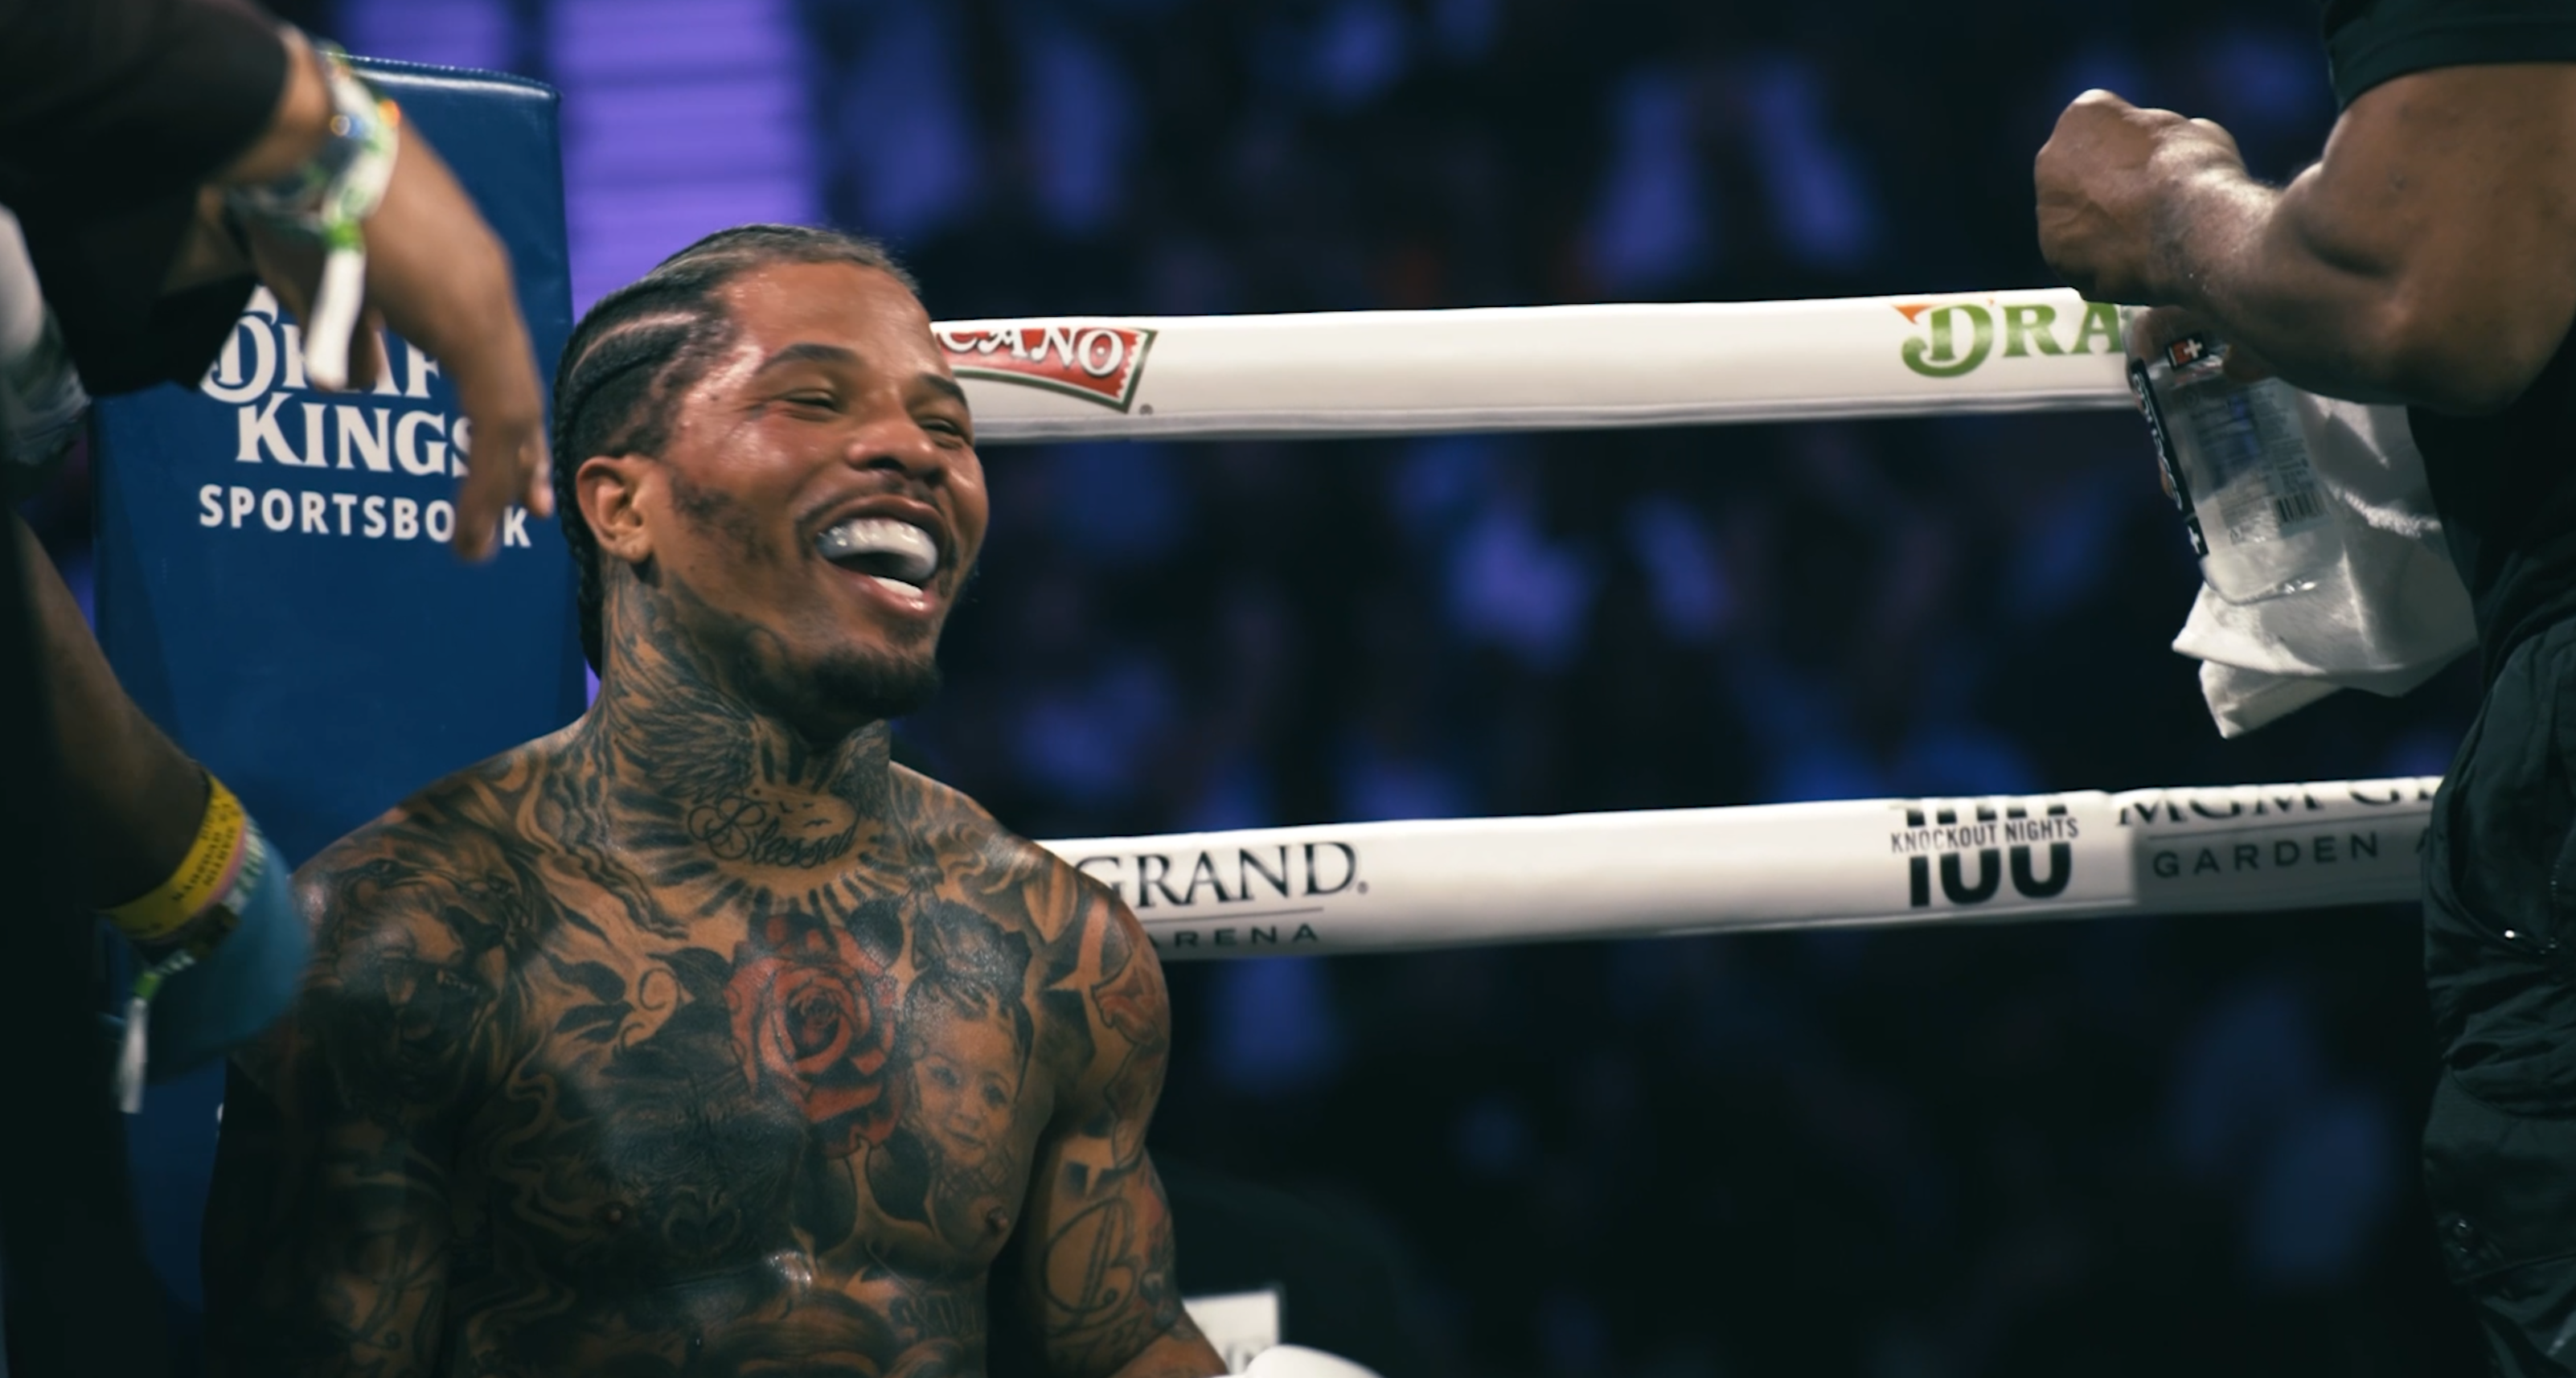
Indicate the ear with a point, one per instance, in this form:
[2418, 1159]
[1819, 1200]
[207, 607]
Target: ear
[613, 491]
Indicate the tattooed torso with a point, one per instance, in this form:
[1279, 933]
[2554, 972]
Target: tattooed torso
[717, 1077]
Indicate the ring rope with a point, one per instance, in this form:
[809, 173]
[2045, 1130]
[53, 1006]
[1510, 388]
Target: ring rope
[1378, 887]
[1445, 883]
[1360, 373]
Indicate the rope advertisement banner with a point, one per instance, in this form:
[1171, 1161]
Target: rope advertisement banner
[1362, 373]
[1377, 887]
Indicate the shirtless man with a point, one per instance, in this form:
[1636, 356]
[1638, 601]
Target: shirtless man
[697, 1038]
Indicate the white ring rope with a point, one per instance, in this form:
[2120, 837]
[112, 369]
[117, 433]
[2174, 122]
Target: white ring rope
[1423, 884]
[1535, 368]
[1374, 887]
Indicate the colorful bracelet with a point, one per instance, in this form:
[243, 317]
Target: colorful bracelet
[205, 875]
[196, 909]
[329, 199]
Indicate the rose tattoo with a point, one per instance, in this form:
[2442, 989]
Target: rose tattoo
[808, 1009]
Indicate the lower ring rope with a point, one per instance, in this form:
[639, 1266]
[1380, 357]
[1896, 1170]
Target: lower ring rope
[1376, 887]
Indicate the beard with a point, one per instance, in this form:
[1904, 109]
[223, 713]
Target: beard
[802, 672]
[873, 685]
[828, 692]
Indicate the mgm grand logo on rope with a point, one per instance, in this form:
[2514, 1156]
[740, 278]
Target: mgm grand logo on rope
[2280, 828]
[1244, 896]
[1994, 846]
[1959, 335]
[396, 429]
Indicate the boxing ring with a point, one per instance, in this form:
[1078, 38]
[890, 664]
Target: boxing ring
[1446, 883]
[260, 501]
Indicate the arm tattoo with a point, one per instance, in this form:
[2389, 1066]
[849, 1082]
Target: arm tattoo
[338, 1175]
[1103, 1270]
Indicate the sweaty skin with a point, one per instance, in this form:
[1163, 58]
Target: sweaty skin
[697, 1038]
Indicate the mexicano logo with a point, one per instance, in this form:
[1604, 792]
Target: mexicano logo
[1960, 334]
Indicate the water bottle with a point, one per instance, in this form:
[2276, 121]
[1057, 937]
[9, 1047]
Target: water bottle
[2237, 466]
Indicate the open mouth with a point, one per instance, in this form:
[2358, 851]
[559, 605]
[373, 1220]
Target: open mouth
[896, 554]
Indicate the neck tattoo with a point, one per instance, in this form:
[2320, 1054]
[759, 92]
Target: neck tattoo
[699, 780]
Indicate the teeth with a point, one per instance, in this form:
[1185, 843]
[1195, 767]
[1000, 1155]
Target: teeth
[895, 550]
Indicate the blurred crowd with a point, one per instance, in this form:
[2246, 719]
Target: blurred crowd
[2136, 1147]
[2139, 1147]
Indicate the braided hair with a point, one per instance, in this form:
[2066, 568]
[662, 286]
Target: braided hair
[639, 349]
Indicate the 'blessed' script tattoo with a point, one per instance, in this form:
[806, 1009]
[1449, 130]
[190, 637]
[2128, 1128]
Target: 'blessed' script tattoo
[670, 1044]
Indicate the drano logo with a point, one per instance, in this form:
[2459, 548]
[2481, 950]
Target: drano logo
[1959, 335]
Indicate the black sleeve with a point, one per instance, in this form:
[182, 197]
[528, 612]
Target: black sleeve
[112, 113]
[2370, 41]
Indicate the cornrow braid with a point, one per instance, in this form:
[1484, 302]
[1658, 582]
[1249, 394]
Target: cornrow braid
[639, 349]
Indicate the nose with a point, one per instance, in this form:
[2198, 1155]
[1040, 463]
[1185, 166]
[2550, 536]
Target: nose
[898, 445]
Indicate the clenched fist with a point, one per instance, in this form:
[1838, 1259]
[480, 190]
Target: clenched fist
[2108, 179]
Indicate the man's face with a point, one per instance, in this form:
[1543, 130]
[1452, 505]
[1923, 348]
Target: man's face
[822, 503]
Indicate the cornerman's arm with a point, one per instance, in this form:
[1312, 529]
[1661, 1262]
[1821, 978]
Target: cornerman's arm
[135, 798]
[1098, 1271]
[327, 1232]
[2429, 257]
[120, 123]
[166, 853]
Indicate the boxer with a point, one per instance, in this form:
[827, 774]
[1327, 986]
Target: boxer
[698, 1036]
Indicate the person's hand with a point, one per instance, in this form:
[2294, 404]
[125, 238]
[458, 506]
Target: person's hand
[438, 276]
[435, 273]
[2151, 330]
[2103, 179]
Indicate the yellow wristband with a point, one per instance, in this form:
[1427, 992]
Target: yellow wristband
[203, 877]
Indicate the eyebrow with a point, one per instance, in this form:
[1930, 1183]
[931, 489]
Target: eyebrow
[943, 385]
[808, 353]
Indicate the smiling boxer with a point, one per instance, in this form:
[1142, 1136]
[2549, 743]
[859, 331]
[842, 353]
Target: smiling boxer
[698, 1037]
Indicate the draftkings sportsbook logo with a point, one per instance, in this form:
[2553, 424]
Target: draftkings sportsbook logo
[1959, 335]
[1093, 360]
[320, 453]
[1974, 856]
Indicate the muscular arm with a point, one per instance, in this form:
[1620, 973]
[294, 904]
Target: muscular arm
[1098, 1272]
[2428, 257]
[327, 1237]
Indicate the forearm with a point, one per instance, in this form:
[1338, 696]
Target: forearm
[2243, 257]
[135, 798]
[2278, 272]
[2423, 259]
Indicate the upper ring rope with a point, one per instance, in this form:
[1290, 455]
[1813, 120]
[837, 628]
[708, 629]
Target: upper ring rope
[1535, 368]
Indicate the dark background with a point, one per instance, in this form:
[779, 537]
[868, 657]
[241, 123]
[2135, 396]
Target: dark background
[2135, 1147]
